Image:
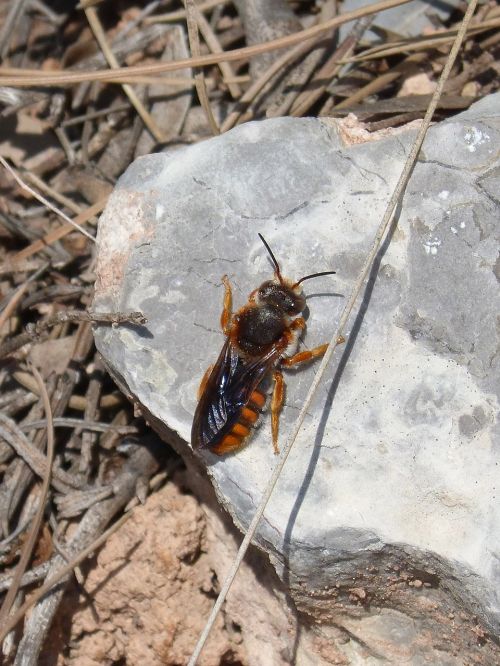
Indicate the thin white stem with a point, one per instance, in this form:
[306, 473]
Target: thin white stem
[383, 227]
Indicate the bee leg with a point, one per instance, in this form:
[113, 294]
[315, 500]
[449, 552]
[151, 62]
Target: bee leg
[276, 406]
[204, 380]
[308, 354]
[298, 324]
[225, 317]
[304, 356]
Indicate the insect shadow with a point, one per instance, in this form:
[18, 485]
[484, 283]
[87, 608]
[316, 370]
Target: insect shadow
[323, 294]
[140, 329]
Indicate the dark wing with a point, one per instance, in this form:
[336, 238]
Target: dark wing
[227, 391]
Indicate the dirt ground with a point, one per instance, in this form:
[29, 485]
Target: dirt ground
[150, 589]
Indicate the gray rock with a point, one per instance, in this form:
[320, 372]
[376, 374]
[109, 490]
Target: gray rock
[407, 20]
[387, 508]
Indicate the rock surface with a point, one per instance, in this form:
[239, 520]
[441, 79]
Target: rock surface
[407, 20]
[386, 519]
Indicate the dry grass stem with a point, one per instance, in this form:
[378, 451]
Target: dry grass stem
[330, 69]
[100, 36]
[59, 233]
[44, 201]
[316, 32]
[69, 316]
[253, 90]
[180, 14]
[213, 44]
[436, 41]
[201, 86]
[37, 520]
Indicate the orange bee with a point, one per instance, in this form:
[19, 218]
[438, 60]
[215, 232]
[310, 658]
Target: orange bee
[261, 338]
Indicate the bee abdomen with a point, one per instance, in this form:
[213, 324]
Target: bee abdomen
[249, 415]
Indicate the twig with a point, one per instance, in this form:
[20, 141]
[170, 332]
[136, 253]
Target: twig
[17, 296]
[82, 424]
[75, 503]
[20, 528]
[33, 331]
[199, 77]
[180, 14]
[57, 234]
[15, 400]
[16, 8]
[432, 41]
[338, 334]
[213, 44]
[100, 36]
[57, 196]
[37, 521]
[56, 578]
[11, 433]
[25, 77]
[32, 576]
[77, 402]
[141, 464]
[256, 87]
[43, 200]
[380, 82]
[93, 395]
[138, 19]
[330, 69]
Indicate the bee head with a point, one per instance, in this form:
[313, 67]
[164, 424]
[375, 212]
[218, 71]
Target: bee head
[287, 297]
[282, 293]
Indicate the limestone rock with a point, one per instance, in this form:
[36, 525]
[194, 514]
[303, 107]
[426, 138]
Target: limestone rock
[407, 20]
[386, 520]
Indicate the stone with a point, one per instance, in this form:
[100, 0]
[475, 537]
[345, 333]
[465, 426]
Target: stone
[407, 20]
[393, 478]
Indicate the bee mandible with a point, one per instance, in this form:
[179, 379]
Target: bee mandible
[261, 339]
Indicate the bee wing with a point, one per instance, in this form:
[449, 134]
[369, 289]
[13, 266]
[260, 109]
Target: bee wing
[227, 391]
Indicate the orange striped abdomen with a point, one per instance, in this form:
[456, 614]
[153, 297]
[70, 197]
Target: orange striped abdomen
[242, 428]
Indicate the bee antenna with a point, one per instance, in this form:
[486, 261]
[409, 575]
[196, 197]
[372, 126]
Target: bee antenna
[273, 258]
[313, 275]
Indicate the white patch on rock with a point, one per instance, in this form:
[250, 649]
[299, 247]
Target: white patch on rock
[474, 137]
[173, 296]
[431, 245]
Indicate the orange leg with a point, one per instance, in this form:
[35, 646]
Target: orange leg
[298, 324]
[308, 354]
[204, 380]
[304, 356]
[276, 406]
[225, 317]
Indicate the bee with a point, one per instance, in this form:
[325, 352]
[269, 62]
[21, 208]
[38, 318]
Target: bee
[261, 339]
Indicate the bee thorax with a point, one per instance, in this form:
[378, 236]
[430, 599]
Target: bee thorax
[259, 327]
